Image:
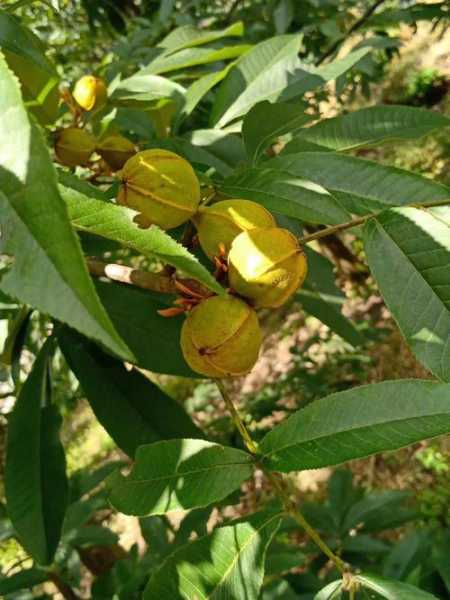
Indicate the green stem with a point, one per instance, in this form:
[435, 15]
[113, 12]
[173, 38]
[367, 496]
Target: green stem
[277, 483]
[361, 220]
[238, 422]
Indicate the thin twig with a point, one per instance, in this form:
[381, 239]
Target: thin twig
[238, 422]
[361, 220]
[356, 25]
[63, 588]
[123, 274]
[277, 484]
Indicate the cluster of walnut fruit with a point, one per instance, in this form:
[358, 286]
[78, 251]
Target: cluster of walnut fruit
[263, 265]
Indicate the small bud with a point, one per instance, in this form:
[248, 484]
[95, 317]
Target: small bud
[221, 222]
[161, 185]
[221, 337]
[115, 151]
[74, 146]
[266, 266]
[90, 93]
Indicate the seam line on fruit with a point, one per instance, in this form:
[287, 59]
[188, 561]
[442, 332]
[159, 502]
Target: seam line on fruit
[162, 201]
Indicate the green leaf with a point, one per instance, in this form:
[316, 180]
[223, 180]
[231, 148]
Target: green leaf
[362, 186]
[373, 125]
[328, 312]
[357, 423]
[283, 193]
[272, 71]
[23, 579]
[278, 53]
[196, 92]
[409, 255]
[35, 477]
[277, 590]
[178, 475]
[48, 270]
[132, 409]
[188, 36]
[266, 122]
[143, 89]
[116, 223]
[134, 314]
[191, 57]
[393, 590]
[228, 563]
[332, 591]
[210, 147]
[24, 53]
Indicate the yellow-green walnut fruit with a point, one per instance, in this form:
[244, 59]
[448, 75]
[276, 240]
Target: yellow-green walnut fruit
[221, 222]
[266, 266]
[74, 146]
[221, 337]
[115, 151]
[162, 186]
[90, 92]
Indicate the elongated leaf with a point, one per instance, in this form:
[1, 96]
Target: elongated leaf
[228, 563]
[329, 313]
[361, 186]
[357, 423]
[132, 409]
[332, 591]
[373, 125]
[142, 89]
[190, 57]
[266, 122]
[268, 72]
[48, 271]
[413, 274]
[38, 78]
[23, 579]
[393, 590]
[153, 339]
[196, 92]
[283, 193]
[35, 476]
[178, 475]
[116, 223]
[276, 53]
[188, 36]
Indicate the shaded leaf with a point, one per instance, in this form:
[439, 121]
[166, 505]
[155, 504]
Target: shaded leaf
[23, 579]
[39, 81]
[361, 186]
[116, 223]
[134, 314]
[281, 192]
[48, 270]
[178, 475]
[266, 122]
[35, 476]
[357, 423]
[409, 255]
[132, 409]
[228, 563]
[143, 89]
[372, 125]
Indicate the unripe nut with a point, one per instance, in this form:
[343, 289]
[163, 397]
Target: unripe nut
[221, 222]
[221, 337]
[115, 151]
[160, 185]
[74, 146]
[266, 266]
[90, 93]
